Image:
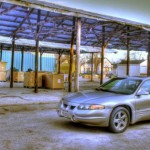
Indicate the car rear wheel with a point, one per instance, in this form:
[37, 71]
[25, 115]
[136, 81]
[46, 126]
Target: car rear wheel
[119, 120]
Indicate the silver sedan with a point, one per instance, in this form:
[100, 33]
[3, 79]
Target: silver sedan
[115, 104]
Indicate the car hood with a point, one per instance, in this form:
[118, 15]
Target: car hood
[94, 96]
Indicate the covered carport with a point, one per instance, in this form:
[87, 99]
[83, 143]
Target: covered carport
[56, 29]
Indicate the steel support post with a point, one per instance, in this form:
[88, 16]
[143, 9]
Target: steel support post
[36, 54]
[1, 55]
[128, 53]
[102, 56]
[92, 67]
[77, 66]
[12, 62]
[59, 56]
[22, 58]
[71, 57]
[148, 57]
[41, 59]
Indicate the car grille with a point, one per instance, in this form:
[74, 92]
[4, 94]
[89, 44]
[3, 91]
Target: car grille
[69, 107]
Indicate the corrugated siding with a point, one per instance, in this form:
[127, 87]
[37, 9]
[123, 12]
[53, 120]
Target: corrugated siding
[48, 61]
[48, 64]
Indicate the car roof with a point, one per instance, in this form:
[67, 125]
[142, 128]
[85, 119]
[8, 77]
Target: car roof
[135, 77]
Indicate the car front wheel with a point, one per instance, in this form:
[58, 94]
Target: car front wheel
[119, 120]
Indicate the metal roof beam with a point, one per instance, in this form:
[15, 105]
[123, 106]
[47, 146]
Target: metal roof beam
[32, 30]
[39, 23]
[7, 10]
[41, 27]
[1, 4]
[25, 18]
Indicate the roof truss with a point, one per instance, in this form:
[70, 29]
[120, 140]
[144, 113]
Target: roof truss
[57, 28]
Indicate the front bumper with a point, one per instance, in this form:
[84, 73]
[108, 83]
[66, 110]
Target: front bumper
[88, 117]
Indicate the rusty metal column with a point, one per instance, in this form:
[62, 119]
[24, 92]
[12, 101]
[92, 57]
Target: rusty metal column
[78, 41]
[1, 53]
[148, 57]
[92, 68]
[71, 56]
[12, 61]
[128, 53]
[22, 58]
[36, 54]
[102, 56]
[36, 66]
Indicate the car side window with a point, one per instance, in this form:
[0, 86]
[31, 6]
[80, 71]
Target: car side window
[146, 86]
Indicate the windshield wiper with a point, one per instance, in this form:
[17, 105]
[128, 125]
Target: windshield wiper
[118, 92]
[102, 89]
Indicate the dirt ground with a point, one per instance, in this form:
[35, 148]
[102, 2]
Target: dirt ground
[44, 130]
[29, 121]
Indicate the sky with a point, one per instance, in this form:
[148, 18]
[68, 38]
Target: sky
[134, 10]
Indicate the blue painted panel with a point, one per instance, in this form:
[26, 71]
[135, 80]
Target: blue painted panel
[48, 61]
[6, 57]
[29, 61]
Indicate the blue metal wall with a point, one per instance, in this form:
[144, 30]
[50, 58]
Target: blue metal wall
[48, 61]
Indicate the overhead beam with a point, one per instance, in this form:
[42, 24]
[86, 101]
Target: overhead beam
[98, 38]
[1, 4]
[47, 15]
[25, 18]
[74, 12]
[32, 30]
[38, 23]
[7, 10]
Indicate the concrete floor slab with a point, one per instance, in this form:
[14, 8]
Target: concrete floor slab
[18, 95]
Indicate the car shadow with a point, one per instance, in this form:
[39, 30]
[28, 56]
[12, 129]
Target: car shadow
[140, 124]
[67, 125]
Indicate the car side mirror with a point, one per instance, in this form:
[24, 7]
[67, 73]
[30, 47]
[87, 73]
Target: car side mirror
[142, 92]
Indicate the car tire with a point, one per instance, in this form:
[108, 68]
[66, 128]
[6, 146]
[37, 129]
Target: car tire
[119, 120]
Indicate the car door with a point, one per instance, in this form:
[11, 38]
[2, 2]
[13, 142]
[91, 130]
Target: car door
[143, 102]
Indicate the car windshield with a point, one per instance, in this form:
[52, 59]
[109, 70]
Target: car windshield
[121, 85]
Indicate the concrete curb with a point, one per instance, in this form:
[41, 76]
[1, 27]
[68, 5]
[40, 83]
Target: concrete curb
[27, 107]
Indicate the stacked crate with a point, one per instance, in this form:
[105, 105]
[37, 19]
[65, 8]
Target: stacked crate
[95, 76]
[86, 76]
[54, 81]
[18, 76]
[2, 71]
[29, 79]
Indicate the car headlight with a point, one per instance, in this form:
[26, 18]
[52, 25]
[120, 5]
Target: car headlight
[90, 107]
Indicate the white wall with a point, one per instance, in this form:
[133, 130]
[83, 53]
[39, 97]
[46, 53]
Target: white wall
[134, 70]
[143, 69]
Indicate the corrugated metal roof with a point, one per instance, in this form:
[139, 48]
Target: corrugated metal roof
[57, 28]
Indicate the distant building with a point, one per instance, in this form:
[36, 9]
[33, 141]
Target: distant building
[134, 69]
[86, 66]
[143, 68]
